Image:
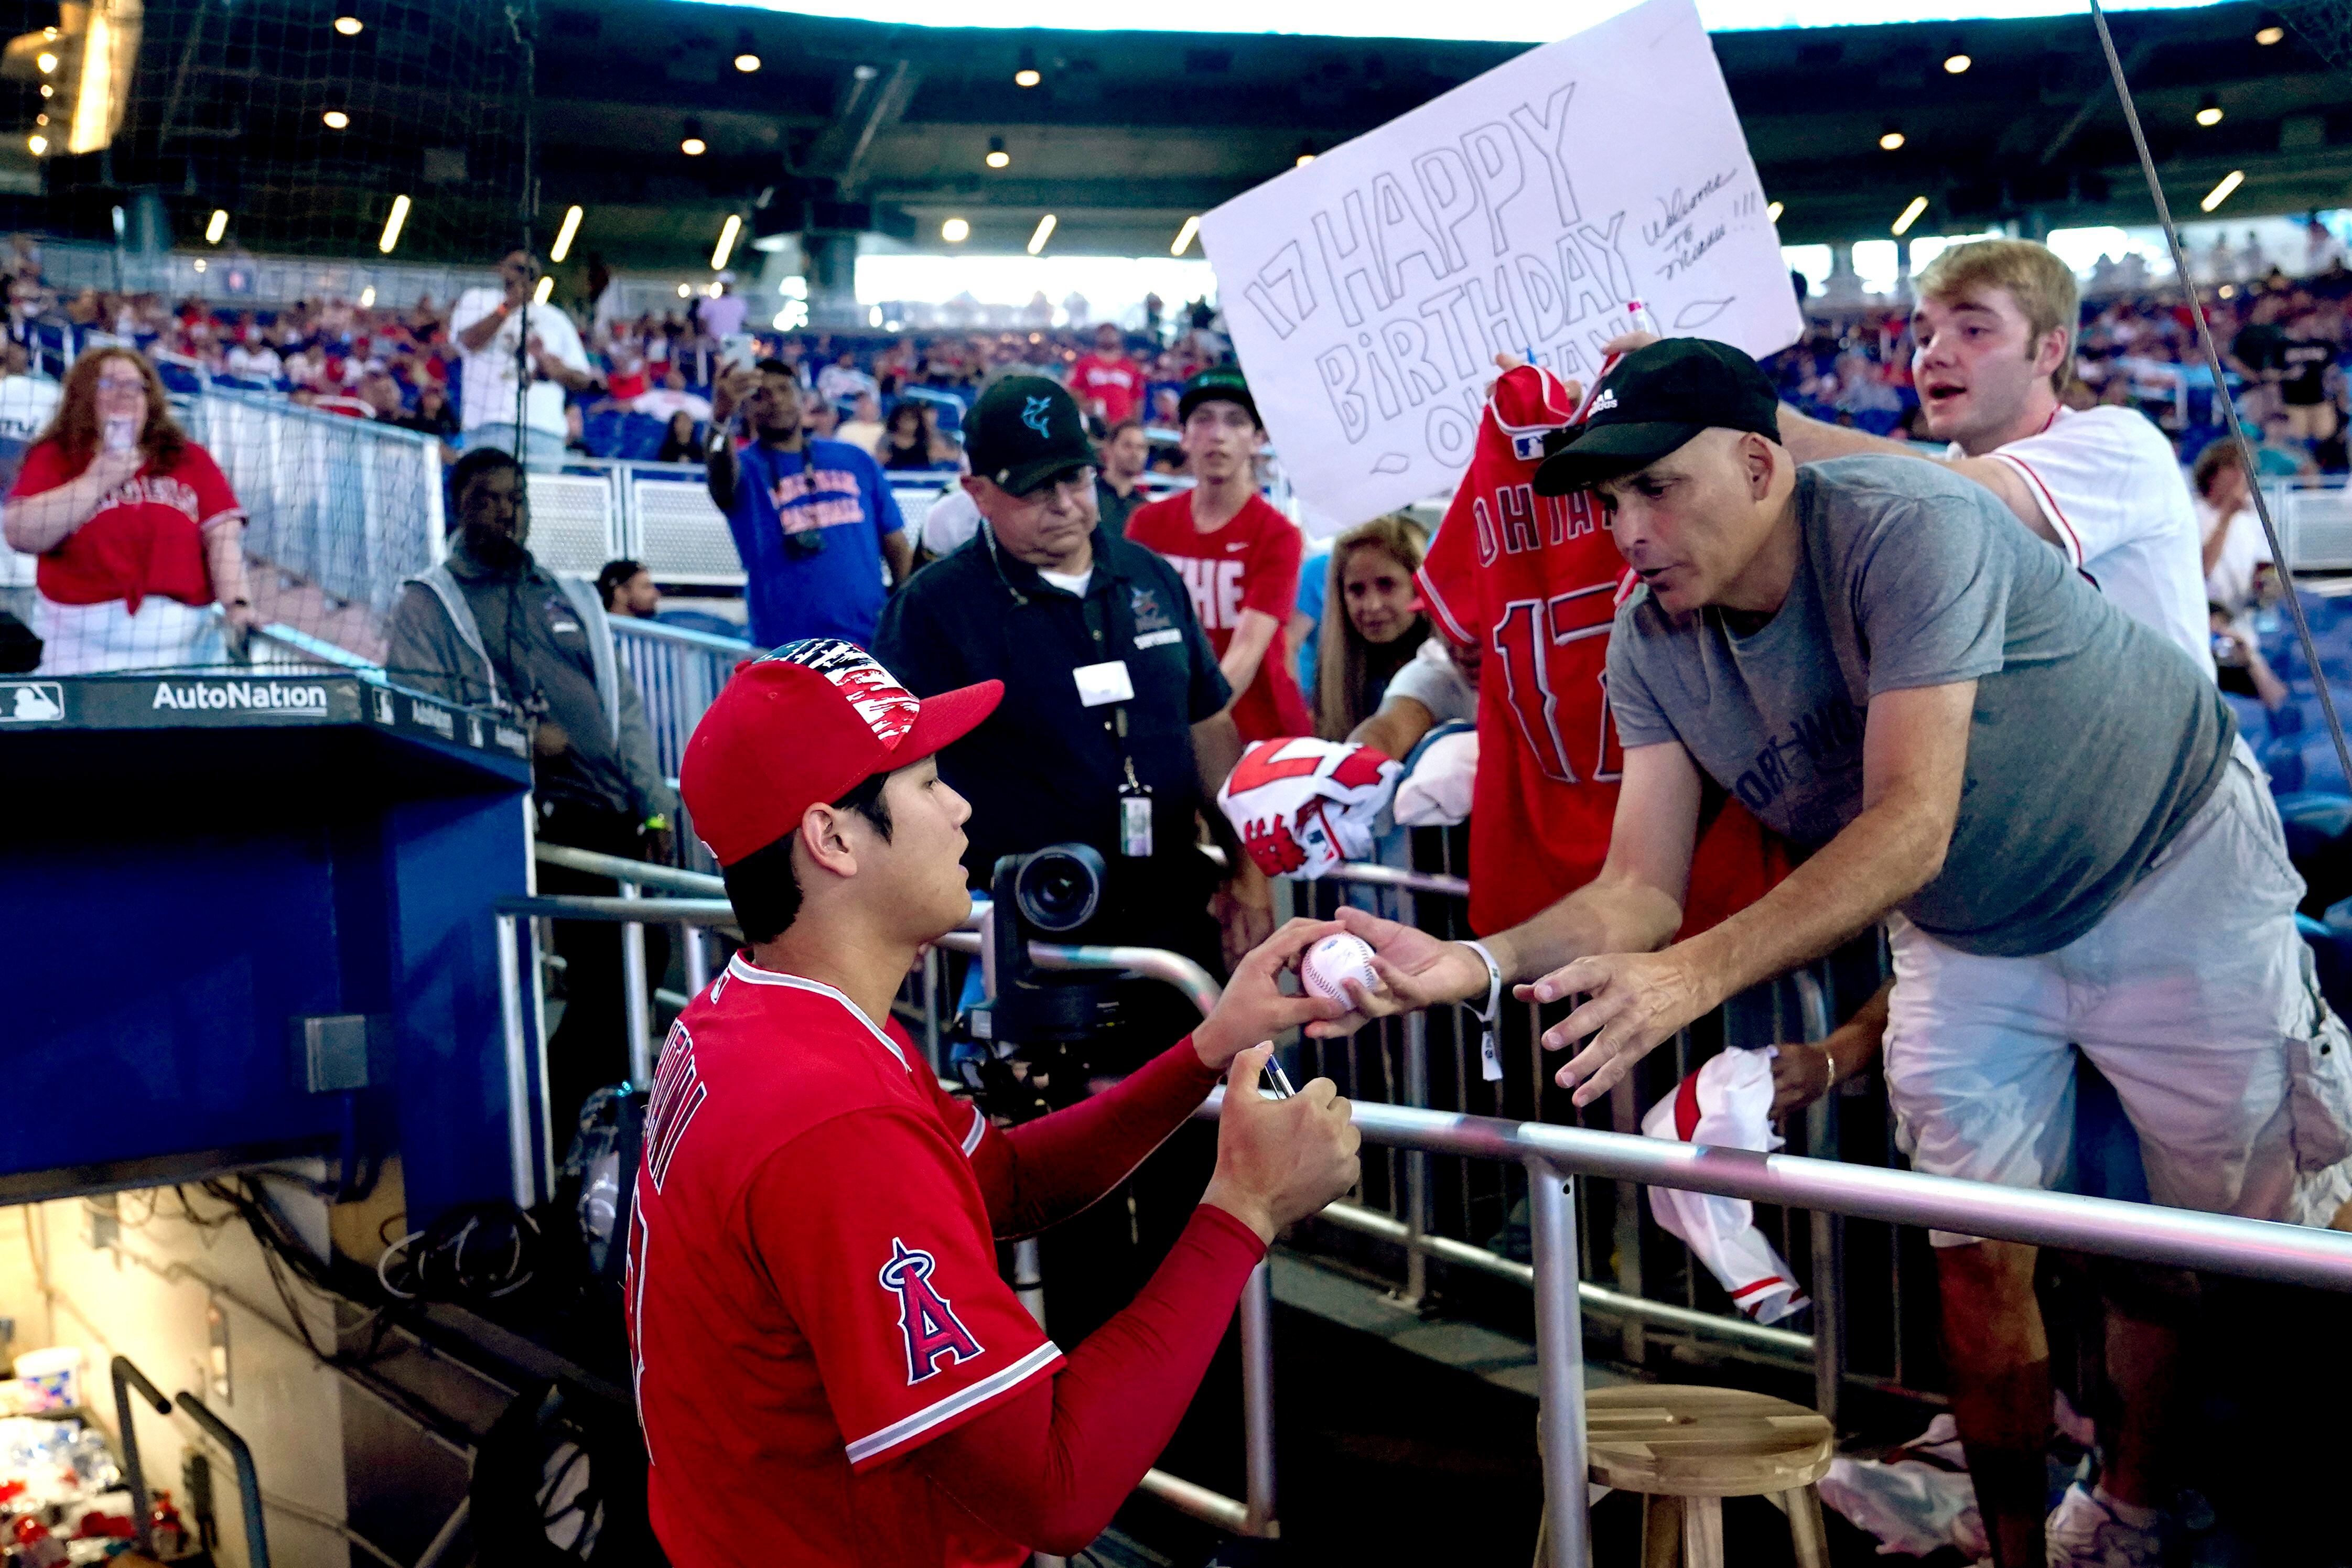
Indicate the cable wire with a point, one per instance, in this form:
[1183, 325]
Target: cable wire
[2222, 390]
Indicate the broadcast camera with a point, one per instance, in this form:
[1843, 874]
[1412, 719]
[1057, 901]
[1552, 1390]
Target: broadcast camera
[1039, 1032]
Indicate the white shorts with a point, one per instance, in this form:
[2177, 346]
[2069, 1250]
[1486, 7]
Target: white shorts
[166, 634]
[2195, 997]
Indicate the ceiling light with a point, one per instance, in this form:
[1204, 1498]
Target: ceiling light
[2269, 36]
[336, 120]
[367, 297]
[1910, 216]
[2208, 113]
[200, 264]
[1045, 232]
[863, 73]
[2220, 192]
[545, 291]
[1027, 76]
[46, 61]
[391, 221]
[746, 63]
[346, 18]
[40, 119]
[726, 247]
[955, 231]
[685, 292]
[39, 145]
[216, 225]
[48, 91]
[1890, 140]
[693, 145]
[874, 315]
[1184, 236]
[1955, 59]
[998, 158]
[1772, 213]
[747, 53]
[566, 235]
[1306, 153]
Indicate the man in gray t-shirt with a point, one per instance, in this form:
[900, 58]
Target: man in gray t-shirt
[1912, 577]
[2042, 801]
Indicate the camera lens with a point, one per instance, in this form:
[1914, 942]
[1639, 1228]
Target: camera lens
[1058, 887]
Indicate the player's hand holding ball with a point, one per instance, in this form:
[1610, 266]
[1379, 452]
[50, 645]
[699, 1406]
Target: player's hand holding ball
[1254, 1006]
[1279, 1161]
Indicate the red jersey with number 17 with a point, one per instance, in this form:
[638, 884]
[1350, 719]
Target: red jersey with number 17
[1531, 583]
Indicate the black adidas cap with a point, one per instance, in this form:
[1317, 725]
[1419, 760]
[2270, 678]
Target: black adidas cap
[1656, 399]
[1026, 431]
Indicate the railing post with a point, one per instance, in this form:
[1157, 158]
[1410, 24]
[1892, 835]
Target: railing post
[518, 1064]
[1417, 1196]
[1828, 1229]
[638, 997]
[1625, 1116]
[931, 1008]
[1257, 1401]
[1560, 1367]
[698, 958]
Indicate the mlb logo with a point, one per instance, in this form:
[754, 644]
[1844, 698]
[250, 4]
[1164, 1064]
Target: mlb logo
[31, 702]
[1528, 448]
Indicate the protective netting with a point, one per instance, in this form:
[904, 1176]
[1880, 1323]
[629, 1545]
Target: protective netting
[267, 211]
[2325, 25]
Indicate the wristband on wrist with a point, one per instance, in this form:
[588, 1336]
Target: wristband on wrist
[1490, 1061]
[657, 823]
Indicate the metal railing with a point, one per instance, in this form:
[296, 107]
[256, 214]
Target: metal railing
[1404, 1202]
[679, 673]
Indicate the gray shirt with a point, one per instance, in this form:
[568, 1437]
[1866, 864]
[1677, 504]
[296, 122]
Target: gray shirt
[2093, 741]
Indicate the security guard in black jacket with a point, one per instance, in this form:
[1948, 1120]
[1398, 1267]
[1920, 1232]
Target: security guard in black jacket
[1113, 730]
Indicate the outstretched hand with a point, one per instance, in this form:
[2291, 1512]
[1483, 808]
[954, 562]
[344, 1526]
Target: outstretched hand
[1632, 1002]
[1624, 343]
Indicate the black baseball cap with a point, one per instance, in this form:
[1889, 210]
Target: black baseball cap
[1026, 431]
[1208, 386]
[1652, 401]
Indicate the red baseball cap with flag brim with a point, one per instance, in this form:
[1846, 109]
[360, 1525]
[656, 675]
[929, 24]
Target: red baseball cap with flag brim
[805, 725]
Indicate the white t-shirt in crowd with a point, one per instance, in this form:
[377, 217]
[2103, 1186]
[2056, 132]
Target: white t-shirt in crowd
[2108, 483]
[258, 362]
[2230, 583]
[663, 401]
[1068, 581]
[952, 520]
[489, 372]
[722, 315]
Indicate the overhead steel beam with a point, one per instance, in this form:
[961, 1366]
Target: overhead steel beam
[872, 103]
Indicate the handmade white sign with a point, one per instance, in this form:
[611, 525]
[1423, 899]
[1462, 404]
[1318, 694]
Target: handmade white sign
[1531, 210]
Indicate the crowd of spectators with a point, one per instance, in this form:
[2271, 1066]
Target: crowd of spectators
[900, 396]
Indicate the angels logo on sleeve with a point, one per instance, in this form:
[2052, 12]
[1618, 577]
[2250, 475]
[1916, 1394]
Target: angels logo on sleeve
[888, 708]
[926, 1318]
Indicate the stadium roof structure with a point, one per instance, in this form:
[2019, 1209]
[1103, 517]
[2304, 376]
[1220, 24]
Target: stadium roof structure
[1125, 134]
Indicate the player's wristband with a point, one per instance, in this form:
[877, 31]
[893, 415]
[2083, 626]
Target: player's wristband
[1490, 1061]
[657, 823]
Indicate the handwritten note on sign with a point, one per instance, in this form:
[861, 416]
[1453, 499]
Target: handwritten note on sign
[1367, 292]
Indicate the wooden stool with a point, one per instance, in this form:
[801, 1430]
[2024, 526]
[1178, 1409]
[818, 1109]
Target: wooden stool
[1685, 1449]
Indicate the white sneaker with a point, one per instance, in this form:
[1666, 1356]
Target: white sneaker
[2083, 1534]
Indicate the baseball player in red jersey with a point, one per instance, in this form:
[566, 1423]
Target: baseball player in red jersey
[1531, 583]
[827, 1366]
[1237, 555]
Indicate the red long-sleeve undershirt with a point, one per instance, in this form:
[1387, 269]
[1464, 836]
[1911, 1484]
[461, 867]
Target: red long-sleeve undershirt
[1050, 1466]
[1036, 1175]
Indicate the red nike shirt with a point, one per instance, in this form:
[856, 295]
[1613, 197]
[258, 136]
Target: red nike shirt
[812, 1288]
[1251, 563]
[1532, 582]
